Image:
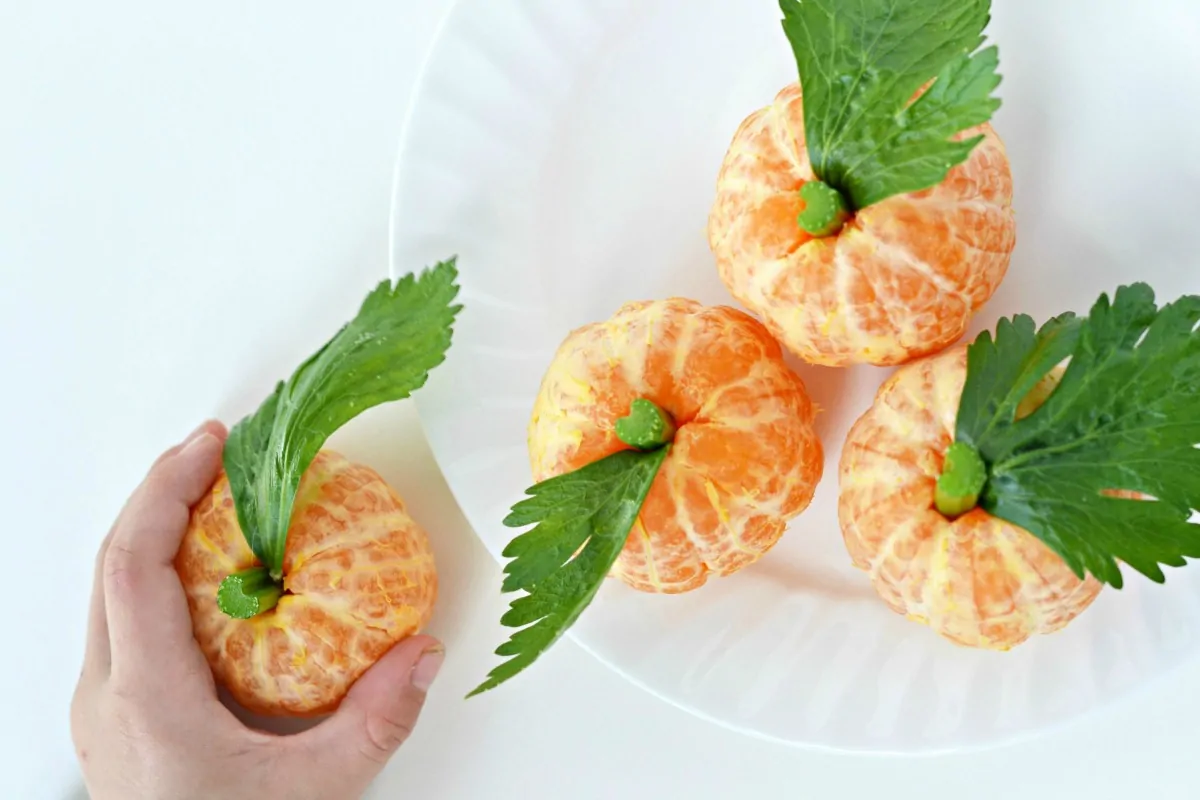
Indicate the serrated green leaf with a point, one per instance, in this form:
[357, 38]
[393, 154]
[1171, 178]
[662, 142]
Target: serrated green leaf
[385, 353]
[862, 62]
[581, 520]
[1000, 380]
[1125, 417]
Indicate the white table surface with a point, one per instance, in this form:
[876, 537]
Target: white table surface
[192, 196]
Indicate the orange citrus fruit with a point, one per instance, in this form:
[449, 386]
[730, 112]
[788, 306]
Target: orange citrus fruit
[745, 458]
[900, 280]
[977, 580]
[358, 578]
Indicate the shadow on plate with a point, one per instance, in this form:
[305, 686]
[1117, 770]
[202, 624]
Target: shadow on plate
[813, 581]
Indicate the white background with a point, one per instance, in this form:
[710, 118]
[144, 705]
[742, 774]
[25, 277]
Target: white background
[191, 198]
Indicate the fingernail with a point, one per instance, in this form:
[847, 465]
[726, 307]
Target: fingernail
[427, 667]
[195, 442]
[191, 437]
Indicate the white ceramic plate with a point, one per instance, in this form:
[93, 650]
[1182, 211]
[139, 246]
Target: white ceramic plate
[567, 151]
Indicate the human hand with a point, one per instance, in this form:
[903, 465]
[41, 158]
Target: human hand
[146, 719]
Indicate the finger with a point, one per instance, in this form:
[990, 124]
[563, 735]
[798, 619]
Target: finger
[97, 654]
[211, 426]
[147, 613]
[347, 751]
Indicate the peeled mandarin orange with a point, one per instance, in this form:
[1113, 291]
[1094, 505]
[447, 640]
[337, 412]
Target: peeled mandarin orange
[900, 280]
[745, 458]
[977, 580]
[359, 577]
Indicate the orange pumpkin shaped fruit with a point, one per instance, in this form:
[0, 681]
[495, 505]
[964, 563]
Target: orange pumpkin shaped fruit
[976, 579]
[358, 577]
[300, 568]
[745, 457]
[866, 214]
[991, 491]
[670, 443]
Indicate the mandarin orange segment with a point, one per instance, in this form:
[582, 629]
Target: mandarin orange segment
[903, 277]
[359, 577]
[745, 459]
[977, 580]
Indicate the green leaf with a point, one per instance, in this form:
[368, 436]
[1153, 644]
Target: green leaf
[385, 353]
[1000, 378]
[1125, 417]
[581, 520]
[862, 61]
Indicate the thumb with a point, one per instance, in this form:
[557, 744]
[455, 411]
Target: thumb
[375, 718]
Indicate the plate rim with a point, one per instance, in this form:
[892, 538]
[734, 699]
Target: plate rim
[1121, 698]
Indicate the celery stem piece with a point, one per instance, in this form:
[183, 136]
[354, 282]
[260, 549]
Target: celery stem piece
[248, 593]
[962, 480]
[825, 209]
[647, 427]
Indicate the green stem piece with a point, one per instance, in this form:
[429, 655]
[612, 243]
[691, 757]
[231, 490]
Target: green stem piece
[825, 209]
[248, 593]
[962, 480]
[647, 427]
